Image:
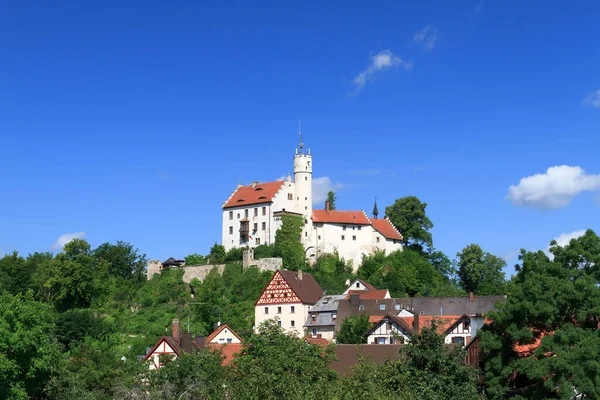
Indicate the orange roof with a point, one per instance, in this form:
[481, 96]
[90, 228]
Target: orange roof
[525, 350]
[369, 294]
[385, 227]
[210, 337]
[316, 340]
[227, 350]
[260, 193]
[340, 217]
[375, 318]
[443, 322]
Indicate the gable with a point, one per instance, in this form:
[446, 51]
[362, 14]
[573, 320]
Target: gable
[277, 291]
[221, 336]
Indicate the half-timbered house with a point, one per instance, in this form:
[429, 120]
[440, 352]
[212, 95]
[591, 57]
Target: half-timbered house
[390, 329]
[287, 299]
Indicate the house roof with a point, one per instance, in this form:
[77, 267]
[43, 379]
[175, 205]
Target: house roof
[171, 343]
[455, 305]
[370, 306]
[349, 355]
[386, 228]
[340, 217]
[366, 284]
[389, 318]
[307, 289]
[443, 322]
[370, 294]
[260, 193]
[316, 340]
[220, 329]
[228, 350]
[172, 261]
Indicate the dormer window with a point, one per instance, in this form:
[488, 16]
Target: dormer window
[382, 307]
[357, 284]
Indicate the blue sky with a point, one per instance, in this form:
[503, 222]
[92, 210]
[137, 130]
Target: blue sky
[135, 120]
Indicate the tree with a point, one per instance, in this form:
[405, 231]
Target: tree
[124, 260]
[331, 198]
[195, 259]
[543, 342]
[28, 350]
[332, 272]
[14, 277]
[353, 329]
[217, 254]
[480, 272]
[287, 242]
[408, 216]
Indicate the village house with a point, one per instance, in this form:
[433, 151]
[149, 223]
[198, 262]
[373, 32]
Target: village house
[287, 299]
[223, 339]
[252, 214]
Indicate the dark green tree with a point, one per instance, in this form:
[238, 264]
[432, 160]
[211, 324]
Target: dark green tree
[332, 272]
[480, 272]
[195, 259]
[408, 216]
[123, 260]
[15, 274]
[353, 329]
[217, 254]
[544, 342]
[287, 242]
[331, 198]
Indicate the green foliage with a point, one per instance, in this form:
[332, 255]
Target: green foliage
[15, 274]
[217, 254]
[123, 260]
[287, 242]
[74, 325]
[264, 251]
[196, 259]
[556, 304]
[28, 350]
[332, 272]
[353, 329]
[408, 216]
[275, 365]
[480, 272]
[234, 254]
[331, 198]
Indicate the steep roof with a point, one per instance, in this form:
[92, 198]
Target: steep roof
[370, 294]
[228, 350]
[370, 306]
[247, 195]
[307, 289]
[349, 355]
[390, 318]
[443, 322]
[455, 305]
[169, 341]
[340, 217]
[385, 227]
[220, 329]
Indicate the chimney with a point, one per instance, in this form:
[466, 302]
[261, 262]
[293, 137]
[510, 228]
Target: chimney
[299, 274]
[326, 205]
[470, 296]
[175, 331]
[354, 299]
[254, 183]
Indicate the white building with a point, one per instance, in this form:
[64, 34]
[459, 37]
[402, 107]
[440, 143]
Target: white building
[252, 215]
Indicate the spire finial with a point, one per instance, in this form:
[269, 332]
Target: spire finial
[375, 210]
[301, 145]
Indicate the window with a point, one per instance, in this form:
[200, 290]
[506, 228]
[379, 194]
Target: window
[343, 237]
[382, 307]
[229, 340]
[306, 234]
[306, 198]
[278, 310]
[278, 322]
[353, 237]
[333, 316]
[255, 227]
[361, 308]
[377, 239]
[238, 215]
[292, 309]
[343, 227]
[313, 317]
[264, 226]
[359, 228]
[231, 230]
[230, 214]
[306, 178]
[266, 310]
[246, 213]
[381, 340]
[290, 196]
[397, 307]
[314, 331]
[292, 323]
[257, 240]
[306, 207]
[319, 237]
[459, 340]
[264, 210]
[353, 228]
[466, 325]
[221, 339]
[256, 211]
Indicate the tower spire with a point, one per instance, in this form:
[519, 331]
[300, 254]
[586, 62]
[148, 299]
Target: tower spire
[301, 145]
[375, 210]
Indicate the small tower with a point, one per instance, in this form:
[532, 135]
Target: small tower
[303, 188]
[375, 210]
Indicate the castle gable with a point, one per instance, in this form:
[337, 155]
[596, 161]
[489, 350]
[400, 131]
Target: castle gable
[256, 193]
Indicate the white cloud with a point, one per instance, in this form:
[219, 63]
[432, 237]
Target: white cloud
[66, 238]
[593, 99]
[426, 37]
[379, 62]
[321, 186]
[563, 240]
[553, 189]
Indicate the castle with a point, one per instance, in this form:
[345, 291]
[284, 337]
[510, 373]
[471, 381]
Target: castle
[252, 215]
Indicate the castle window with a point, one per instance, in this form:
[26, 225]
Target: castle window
[377, 239]
[230, 214]
[279, 323]
[256, 211]
[319, 237]
[231, 230]
[297, 198]
[257, 240]
[306, 178]
[357, 284]
[292, 309]
[359, 227]
[305, 234]
[306, 207]
[343, 237]
[343, 227]
[292, 323]
[264, 210]
[290, 196]
[255, 227]
[306, 198]
[353, 237]
[246, 213]
[238, 215]
[264, 226]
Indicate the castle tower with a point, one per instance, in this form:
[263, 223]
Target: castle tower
[303, 190]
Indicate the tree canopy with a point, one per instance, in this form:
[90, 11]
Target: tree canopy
[480, 272]
[353, 329]
[287, 242]
[409, 217]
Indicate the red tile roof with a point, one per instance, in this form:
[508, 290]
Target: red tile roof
[227, 350]
[369, 294]
[443, 322]
[219, 330]
[385, 227]
[340, 217]
[375, 318]
[261, 193]
[367, 284]
[306, 288]
[316, 340]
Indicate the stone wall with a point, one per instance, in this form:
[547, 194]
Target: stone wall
[199, 271]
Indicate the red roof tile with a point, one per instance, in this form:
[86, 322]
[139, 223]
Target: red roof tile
[443, 322]
[369, 294]
[375, 318]
[340, 217]
[261, 193]
[316, 340]
[385, 227]
[227, 350]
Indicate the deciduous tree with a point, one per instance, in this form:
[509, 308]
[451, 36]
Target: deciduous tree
[408, 216]
[287, 242]
[480, 272]
[353, 329]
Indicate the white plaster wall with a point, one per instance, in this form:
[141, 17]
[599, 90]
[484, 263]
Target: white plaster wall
[286, 316]
[154, 359]
[225, 334]
[459, 331]
[329, 239]
[356, 285]
[383, 330]
[326, 332]
[303, 199]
